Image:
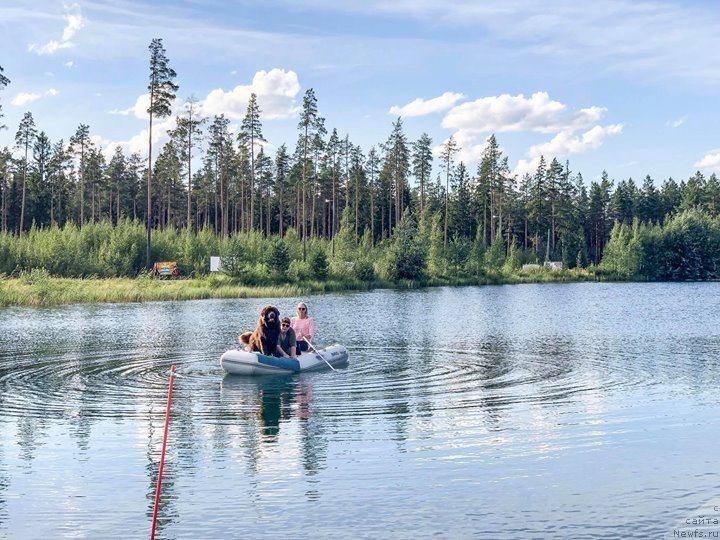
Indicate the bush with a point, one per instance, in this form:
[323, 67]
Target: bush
[278, 257]
[319, 267]
[364, 271]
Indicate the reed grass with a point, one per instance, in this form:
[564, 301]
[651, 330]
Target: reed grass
[38, 288]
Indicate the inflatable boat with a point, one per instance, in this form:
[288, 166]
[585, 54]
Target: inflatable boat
[240, 362]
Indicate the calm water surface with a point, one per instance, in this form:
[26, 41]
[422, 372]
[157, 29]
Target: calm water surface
[526, 411]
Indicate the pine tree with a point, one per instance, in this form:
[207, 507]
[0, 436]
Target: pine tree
[333, 152]
[162, 90]
[39, 198]
[310, 125]
[24, 139]
[186, 137]
[371, 167]
[406, 254]
[282, 174]
[5, 168]
[537, 214]
[422, 159]
[249, 136]
[4, 81]
[461, 216]
[80, 144]
[219, 154]
[447, 152]
[397, 161]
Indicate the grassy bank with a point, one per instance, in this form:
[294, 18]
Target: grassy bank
[38, 288]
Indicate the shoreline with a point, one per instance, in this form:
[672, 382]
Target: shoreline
[39, 289]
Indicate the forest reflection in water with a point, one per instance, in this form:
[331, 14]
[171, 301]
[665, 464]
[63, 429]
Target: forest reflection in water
[577, 406]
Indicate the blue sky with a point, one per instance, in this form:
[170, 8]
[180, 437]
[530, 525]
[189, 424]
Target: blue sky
[626, 86]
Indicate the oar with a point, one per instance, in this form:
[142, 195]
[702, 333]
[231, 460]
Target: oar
[306, 340]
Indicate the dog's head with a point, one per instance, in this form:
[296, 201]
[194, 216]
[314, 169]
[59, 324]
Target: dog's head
[270, 317]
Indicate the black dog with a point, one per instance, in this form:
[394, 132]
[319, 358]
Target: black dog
[265, 337]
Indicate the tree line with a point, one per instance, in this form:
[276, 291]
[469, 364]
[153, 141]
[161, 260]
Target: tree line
[207, 179]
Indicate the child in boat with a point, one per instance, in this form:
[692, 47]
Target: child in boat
[288, 342]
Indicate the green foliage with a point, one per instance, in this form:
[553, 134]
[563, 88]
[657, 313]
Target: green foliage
[278, 256]
[319, 267]
[345, 242]
[495, 256]
[364, 270]
[299, 270]
[406, 255]
[436, 261]
[514, 260]
[458, 253]
[692, 245]
[293, 243]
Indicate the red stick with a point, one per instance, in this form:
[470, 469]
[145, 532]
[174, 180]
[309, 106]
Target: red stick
[162, 453]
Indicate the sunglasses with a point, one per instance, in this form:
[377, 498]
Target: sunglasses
[302, 309]
[284, 324]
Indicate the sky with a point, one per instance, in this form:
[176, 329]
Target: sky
[626, 86]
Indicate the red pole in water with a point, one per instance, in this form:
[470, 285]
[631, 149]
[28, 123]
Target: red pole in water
[162, 453]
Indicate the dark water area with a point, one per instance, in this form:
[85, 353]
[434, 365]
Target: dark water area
[527, 411]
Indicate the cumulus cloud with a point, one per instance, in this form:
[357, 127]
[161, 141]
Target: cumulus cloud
[676, 123]
[74, 22]
[526, 166]
[504, 113]
[474, 120]
[139, 110]
[710, 161]
[275, 89]
[470, 149]
[421, 107]
[139, 143]
[23, 98]
[565, 143]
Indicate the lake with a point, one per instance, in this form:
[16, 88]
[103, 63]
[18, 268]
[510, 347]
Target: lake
[586, 410]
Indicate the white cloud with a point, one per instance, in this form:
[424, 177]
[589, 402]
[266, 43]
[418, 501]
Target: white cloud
[565, 143]
[275, 89]
[421, 107]
[469, 149]
[139, 142]
[504, 113]
[23, 98]
[69, 64]
[710, 161]
[676, 123]
[525, 166]
[75, 22]
[139, 110]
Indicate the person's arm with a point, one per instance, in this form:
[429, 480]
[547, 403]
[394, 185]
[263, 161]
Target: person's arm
[311, 329]
[292, 352]
[279, 349]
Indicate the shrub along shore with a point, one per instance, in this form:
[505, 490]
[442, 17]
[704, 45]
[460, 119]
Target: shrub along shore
[104, 262]
[38, 288]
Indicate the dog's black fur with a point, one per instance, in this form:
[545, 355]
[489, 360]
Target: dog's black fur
[265, 337]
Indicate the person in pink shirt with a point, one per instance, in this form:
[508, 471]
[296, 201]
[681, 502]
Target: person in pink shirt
[303, 326]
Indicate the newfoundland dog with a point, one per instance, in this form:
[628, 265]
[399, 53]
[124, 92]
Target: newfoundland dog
[265, 337]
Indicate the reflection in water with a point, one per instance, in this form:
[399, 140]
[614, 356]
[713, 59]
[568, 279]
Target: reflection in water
[519, 408]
